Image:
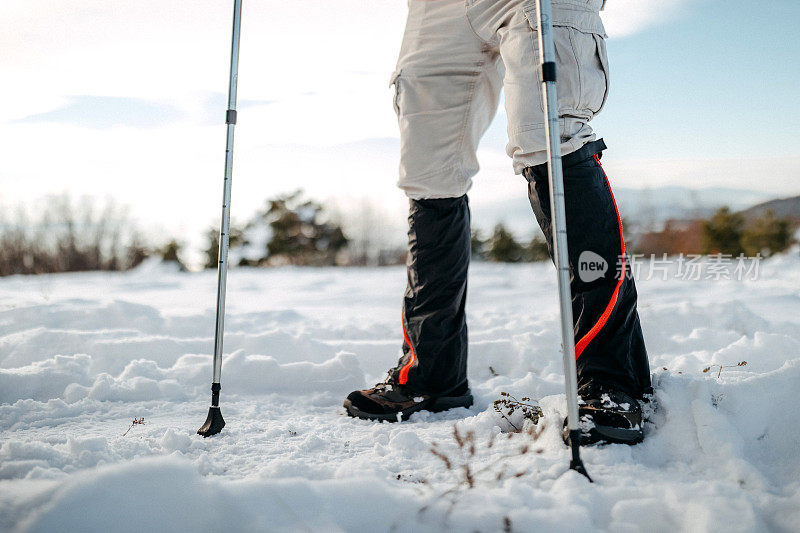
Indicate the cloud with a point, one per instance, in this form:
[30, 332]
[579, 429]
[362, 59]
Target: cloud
[102, 112]
[626, 17]
[314, 99]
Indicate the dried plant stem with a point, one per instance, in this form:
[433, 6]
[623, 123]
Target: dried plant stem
[136, 422]
[719, 374]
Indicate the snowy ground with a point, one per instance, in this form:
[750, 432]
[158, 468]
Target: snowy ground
[82, 355]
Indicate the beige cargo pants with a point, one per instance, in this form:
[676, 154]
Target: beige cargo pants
[457, 55]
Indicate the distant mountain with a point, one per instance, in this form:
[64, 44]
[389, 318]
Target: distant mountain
[655, 206]
[643, 207]
[782, 208]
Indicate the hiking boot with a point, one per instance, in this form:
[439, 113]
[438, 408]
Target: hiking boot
[392, 402]
[607, 416]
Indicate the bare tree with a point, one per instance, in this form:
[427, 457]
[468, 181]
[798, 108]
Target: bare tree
[64, 235]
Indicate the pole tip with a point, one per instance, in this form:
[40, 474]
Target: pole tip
[576, 463]
[579, 468]
[213, 424]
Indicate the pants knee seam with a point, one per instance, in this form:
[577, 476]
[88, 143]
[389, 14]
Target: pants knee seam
[468, 111]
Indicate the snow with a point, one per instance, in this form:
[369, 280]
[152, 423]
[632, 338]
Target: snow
[82, 355]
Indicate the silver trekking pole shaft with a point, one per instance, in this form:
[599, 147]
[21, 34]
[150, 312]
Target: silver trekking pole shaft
[558, 212]
[214, 423]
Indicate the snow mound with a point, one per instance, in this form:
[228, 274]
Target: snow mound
[82, 355]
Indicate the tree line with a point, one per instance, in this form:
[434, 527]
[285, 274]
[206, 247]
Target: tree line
[291, 229]
[70, 236]
[300, 233]
[725, 232]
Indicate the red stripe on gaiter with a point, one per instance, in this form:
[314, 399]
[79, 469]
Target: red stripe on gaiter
[403, 377]
[586, 339]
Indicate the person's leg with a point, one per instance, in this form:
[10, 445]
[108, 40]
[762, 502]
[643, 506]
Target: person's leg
[582, 68]
[447, 87]
[609, 345]
[434, 323]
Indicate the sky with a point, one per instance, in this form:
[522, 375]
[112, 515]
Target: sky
[126, 99]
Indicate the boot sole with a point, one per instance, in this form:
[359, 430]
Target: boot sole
[612, 435]
[608, 435]
[434, 405]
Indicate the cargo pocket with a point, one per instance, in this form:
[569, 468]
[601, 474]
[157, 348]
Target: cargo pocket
[394, 81]
[602, 55]
[583, 76]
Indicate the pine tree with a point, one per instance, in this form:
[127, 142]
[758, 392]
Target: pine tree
[301, 234]
[767, 235]
[722, 233]
[537, 250]
[503, 247]
[477, 245]
[212, 251]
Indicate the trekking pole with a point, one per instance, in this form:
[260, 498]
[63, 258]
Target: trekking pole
[214, 422]
[548, 65]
